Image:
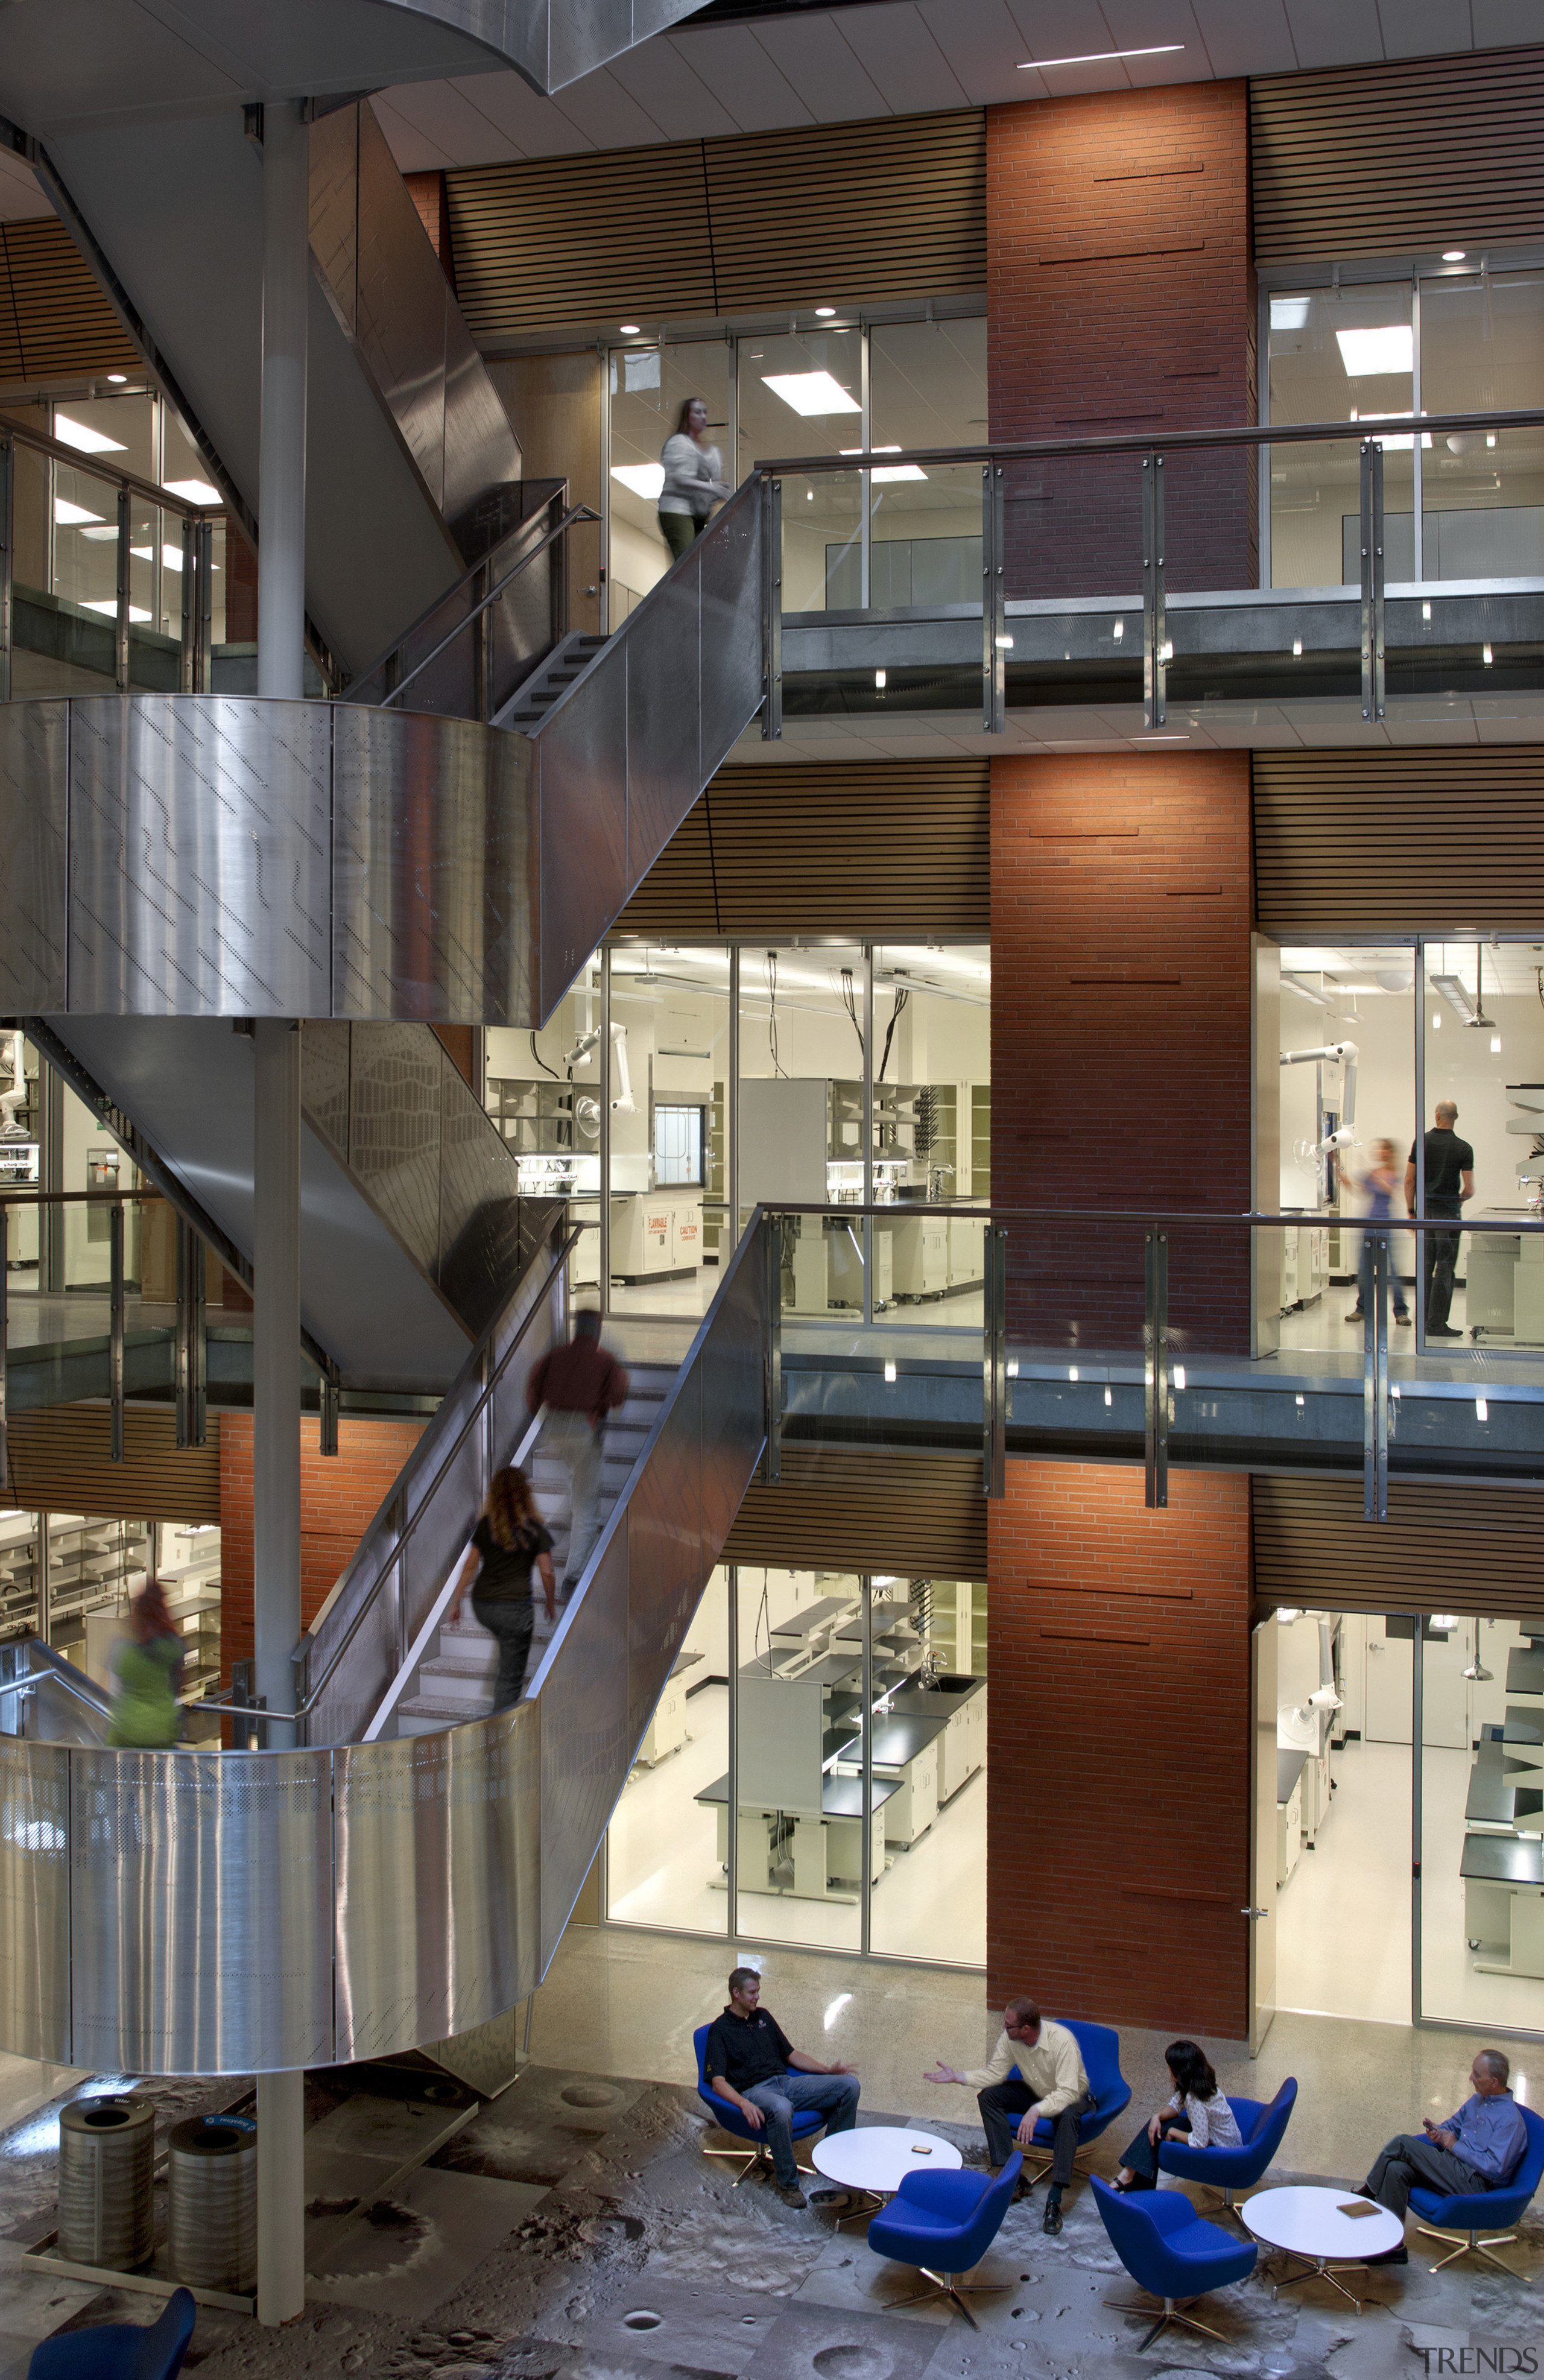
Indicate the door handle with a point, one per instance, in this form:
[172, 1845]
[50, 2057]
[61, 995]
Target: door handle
[1254, 1912]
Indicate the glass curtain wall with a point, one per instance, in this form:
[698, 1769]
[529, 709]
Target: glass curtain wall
[1462, 505]
[649, 388]
[1482, 1046]
[842, 1684]
[805, 396]
[1482, 1823]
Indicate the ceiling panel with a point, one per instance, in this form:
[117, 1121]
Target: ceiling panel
[1415, 28]
[983, 46]
[1342, 33]
[1247, 40]
[441, 112]
[901, 57]
[743, 78]
[1140, 24]
[20, 197]
[819, 65]
[413, 150]
[532, 127]
[1501, 23]
[608, 115]
[665, 83]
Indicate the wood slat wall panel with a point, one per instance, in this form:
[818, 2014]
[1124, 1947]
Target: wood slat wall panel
[894, 209]
[1402, 159]
[916, 1514]
[59, 1463]
[1472, 1550]
[55, 321]
[1397, 843]
[874, 847]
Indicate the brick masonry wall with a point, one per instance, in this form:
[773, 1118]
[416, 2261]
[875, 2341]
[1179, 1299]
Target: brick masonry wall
[339, 1498]
[1117, 1791]
[1120, 298]
[1120, 1027]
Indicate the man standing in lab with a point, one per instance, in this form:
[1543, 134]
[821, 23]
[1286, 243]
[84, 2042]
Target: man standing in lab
[1052, 2082]
[1450, 1181]
[580, 1384]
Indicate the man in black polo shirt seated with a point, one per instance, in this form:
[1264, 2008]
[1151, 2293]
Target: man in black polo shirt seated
[747, 2060]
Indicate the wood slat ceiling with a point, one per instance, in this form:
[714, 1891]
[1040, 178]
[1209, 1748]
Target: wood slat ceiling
[1398, 159]
[1398, 843]
[55, 321]
[59, 1462]
[916, 1514]
[830, 215]
[1472, 1550]
[893, 847]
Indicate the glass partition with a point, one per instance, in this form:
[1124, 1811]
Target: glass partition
[929, 1745]
[1341, 354]
[1482, 1824]
[927, 387]
[804, 395]
[1481, 1152]
[799, 1691]
[648, 388]
[544, 1090]
[1482, 350]
[801, 1120]
[667, 1847]
[670, 1064]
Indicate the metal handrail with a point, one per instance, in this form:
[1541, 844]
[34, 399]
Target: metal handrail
[1146, 1215]
[1128, 441]
[25, 435]
[310, 1700]
[56, 1670]
[575, 513]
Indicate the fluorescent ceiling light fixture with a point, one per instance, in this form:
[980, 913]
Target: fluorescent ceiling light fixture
[102, 532]
[886, 471]
[71, 516]
[644, 479]
[194, 492]
[91, 442]
[1290, 313]
[1452, 991]
[108, 606]
[1099, 58]
[810, 393]
[1309, 991]
[1389, 348]
[1396, 444]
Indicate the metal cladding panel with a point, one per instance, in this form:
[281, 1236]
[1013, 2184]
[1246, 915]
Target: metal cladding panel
[734, 1416]
[334, 161]
[200, 1911]
[401, 295]
[664, 774]
[585, 1749]
[581, 755]
[34, 1900]
[324, 1083]
[394, 1136]
[667, 1562]
[431, 886]
[480, 1213]
[200, 856]
[438, 1851]
[730, 627]
[35, 762]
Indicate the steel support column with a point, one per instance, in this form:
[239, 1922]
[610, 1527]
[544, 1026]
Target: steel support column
[282, 459]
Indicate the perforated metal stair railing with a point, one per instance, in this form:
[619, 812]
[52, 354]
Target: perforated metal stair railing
[229, 1913]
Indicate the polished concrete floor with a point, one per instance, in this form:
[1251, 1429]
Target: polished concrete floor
[573, 2230]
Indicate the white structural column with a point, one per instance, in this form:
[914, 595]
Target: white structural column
[282, 459]
[276, 1132]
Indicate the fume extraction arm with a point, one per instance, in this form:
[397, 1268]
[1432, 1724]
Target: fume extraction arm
[587, 1112]
[1343, 1054]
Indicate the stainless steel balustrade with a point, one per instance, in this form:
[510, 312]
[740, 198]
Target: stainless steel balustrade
[232, 1913]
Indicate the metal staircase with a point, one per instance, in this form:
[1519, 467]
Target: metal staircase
[546, 686]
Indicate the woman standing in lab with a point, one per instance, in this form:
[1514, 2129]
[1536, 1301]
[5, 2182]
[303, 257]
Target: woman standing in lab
[693, 482]
[1378, 1183]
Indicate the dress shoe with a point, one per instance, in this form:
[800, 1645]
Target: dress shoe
[1052, 2221]
[1443, 1330]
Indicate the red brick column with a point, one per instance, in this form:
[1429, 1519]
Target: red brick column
[1117, 1795]
[1120, 1027]
[1120, 298]
[339, 1498]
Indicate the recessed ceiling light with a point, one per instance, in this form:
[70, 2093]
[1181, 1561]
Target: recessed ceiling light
[1098, 57]
[628, 330]
[90, 442]
[825, 312]
[118, 379]
[811, 392]
[1386, 348]
[1454, 255]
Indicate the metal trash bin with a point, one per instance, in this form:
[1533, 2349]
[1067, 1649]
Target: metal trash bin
[212, 2176]
[106, 2182]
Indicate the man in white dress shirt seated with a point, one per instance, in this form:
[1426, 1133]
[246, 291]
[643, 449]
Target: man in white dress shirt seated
[1054, 2085]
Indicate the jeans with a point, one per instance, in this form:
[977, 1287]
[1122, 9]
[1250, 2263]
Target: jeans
[1141, 2157]
[1363, 1279]
[1438, 1263]
[1001, 2105]
[578, 1447]
[512, 1623]
[1410, 2160]
[835, 2094]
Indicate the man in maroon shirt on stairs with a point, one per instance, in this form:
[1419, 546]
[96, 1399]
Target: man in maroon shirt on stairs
[580, 1384]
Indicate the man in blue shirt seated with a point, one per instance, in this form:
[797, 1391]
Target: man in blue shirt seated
[747, 2062]
[1480, 2148]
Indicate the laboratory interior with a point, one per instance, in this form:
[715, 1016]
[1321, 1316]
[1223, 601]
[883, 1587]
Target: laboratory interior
[634, 1067]
[1409, 1745]
[1370, 1035]
[833, 1678]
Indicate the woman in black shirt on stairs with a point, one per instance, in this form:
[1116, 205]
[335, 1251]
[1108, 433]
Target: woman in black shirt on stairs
[507, 1541]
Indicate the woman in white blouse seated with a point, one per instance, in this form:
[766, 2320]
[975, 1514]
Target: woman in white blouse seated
[1197, 2113]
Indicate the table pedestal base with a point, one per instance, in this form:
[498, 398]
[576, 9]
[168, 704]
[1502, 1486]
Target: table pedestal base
[1317, 2268]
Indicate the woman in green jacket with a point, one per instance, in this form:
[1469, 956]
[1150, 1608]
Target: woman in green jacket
[148, 1665]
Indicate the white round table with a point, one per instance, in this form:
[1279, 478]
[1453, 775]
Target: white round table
[876, 2159]
[1308, 2222]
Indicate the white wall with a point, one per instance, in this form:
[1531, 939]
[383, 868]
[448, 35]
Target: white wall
[1459, 1065]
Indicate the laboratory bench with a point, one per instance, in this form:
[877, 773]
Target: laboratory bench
[961, 1703]
[1504, 1276]
[815, 1854]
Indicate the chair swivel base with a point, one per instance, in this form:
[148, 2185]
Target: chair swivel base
[1223, 2203]
[1169, 2315]
[949, 2285]
[1475, 2246]
[755, 2160]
